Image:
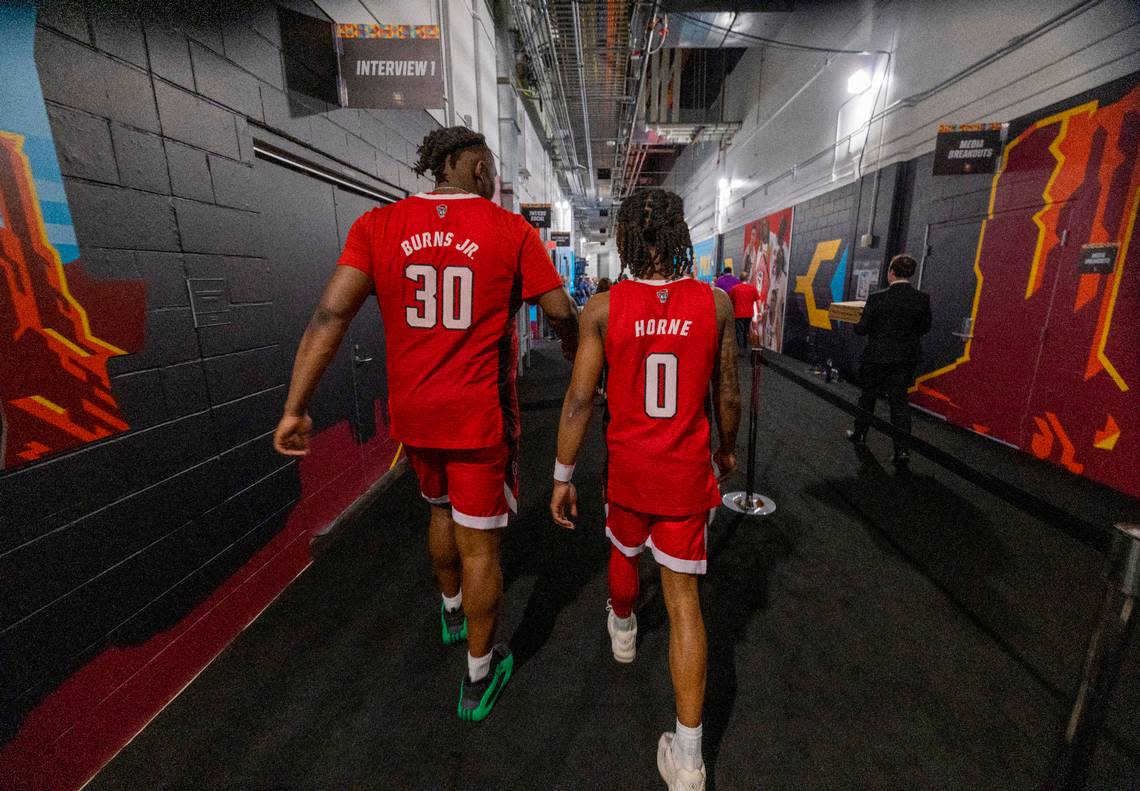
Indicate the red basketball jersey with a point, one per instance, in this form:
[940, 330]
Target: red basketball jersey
[661, 346]
[451, 271]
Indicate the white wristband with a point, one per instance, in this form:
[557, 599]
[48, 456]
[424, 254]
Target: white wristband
[563, 472]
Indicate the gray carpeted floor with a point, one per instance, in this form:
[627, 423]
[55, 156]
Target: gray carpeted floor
[879, 631]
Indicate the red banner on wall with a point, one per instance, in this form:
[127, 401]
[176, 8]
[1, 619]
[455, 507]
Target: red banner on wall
[767, 249]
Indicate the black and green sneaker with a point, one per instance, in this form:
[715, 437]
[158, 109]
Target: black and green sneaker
[477, 698]
[453, 625]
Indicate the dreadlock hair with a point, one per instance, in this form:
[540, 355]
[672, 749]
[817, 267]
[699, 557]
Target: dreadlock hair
[654, 219]
[443, 147]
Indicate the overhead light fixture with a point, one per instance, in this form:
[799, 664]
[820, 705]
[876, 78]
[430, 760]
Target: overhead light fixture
[859, 82]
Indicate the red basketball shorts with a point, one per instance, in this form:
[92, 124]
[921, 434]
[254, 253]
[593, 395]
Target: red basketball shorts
[478, 483]
[679, 543]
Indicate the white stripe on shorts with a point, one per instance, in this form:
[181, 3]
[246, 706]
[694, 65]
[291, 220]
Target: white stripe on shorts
[479, 522]
[512, 503]
[676, 564]
[629, 552]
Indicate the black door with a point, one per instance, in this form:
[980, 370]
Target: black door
[305, 220]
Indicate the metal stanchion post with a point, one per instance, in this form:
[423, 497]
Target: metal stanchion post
[748, 501]
[1103, 658]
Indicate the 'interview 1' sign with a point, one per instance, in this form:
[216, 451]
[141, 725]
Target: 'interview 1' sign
[390, 66]
[966, 149]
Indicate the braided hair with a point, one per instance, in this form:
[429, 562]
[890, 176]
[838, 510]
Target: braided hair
[654, 219]
[443, 147]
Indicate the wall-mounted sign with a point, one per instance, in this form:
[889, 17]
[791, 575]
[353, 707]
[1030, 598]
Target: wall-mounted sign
[390, 66]
[966, 149]
[560, 238]
[1098, 259]
[537, 214]
[308, 45]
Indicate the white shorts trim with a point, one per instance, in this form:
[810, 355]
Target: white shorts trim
[676, 564]
[479, 522]
[512, 503]
[629, 552]
[436, 500]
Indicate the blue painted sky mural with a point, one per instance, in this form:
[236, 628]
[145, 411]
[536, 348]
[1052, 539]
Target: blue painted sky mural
[24, 113]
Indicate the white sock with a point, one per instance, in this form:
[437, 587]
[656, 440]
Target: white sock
[687, 747]
[453, 603]
[477, 667]
[623, 624]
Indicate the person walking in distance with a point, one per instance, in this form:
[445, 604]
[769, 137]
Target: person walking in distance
[744, 297]
[893, 320]
[665, 338]
[450, 270]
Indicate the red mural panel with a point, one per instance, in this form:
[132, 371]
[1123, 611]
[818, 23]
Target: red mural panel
[1053, 365]
[767, 250]
[79, 727]
[55, 393]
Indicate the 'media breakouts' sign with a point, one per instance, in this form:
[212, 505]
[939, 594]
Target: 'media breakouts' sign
[968, 148]
[537, 214]
[390, 66]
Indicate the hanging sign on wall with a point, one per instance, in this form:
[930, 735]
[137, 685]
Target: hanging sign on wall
[390, 66]
[560, 238]
[537, 214]
[1098, 259]
[966, 149]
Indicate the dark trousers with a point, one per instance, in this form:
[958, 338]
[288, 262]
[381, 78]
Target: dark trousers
[742, 326]
[892, 379]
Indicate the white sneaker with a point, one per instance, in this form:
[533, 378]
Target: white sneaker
[622, 641]
[676, 777]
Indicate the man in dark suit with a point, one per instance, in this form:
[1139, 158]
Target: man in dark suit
[893, 320]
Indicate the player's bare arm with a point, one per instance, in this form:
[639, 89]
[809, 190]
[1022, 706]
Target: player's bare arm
[342, 298]
[579, 404]
[726, 386]
[563, 316]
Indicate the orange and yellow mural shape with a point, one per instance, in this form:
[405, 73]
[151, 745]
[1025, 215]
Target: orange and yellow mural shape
[55, 392]
[1053, 364]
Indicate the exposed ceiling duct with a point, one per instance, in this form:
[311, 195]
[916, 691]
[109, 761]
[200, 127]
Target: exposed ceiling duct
[623, 86]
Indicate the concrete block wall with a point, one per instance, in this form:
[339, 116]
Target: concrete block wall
[788, 101]
[154, 110]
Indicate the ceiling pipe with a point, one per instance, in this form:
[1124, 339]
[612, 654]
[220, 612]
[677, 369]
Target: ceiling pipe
[621, 190]
[556, 66]
[582, 91]
[533, 36]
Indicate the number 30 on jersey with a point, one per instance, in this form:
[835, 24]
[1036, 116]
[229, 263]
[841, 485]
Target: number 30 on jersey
[454, 303]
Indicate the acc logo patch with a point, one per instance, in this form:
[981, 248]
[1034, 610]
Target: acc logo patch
[663, 295]
[441, 210]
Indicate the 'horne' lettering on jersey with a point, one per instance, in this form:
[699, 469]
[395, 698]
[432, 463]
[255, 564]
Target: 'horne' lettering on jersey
[422, 241]
[643, 327]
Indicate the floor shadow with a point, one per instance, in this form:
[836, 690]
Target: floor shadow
[743, 552]
[563, 562]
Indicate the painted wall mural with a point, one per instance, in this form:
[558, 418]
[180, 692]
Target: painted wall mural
[704, 258]
[825, 252]
[767, 251]
[55, 392]
[1053, 362]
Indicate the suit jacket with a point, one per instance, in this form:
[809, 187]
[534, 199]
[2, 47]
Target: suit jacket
[894, 319]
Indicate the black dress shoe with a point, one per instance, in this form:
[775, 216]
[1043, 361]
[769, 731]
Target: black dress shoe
[855, 437]
[901, 459]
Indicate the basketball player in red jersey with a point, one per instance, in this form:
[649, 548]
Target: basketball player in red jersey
[450, 270]
[664, 337]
